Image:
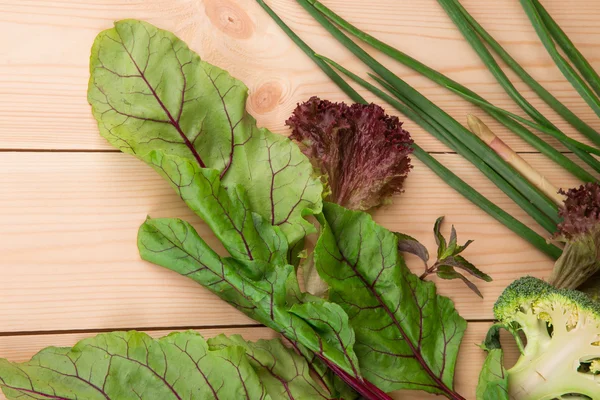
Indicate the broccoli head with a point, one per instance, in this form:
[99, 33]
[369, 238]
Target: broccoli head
[562, 328]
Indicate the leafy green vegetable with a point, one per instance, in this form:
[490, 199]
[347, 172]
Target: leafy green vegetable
[266, 292]
[150, 92]
[493, 379]
[132, 365]
[407, 337]
[285, 374]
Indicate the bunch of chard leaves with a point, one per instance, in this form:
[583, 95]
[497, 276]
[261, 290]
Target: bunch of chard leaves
[381, 329]
[182, 365]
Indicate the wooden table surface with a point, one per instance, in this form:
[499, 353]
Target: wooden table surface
[70, 205]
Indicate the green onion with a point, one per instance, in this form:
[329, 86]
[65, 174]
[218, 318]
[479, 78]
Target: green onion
[308, 51]
[584, 67]
[443, 80]
[430, 125]
[438, 131]
[541, 201]
[468, 32]
[578, 83]
[554, 133]
[445, 174]
[544, 94]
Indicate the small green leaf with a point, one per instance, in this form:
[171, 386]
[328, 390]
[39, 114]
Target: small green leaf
[470, 268]
[460, 249]
[439, 238]
[408, 244]
[493, 379]
[453, 238]
[132, 365]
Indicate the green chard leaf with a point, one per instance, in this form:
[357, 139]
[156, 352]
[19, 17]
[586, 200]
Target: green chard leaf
[285, 374]
[493, 379]
[266, 292]
[407, 336]
[150, 92]
[245, 235]
[132, 365]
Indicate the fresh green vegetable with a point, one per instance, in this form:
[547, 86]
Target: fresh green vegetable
[449, 261]
[238, 197]
[544, 94]
[407, 336]
[493, 379]
[580, 231]
[132, 365]
[456, 14]
[562, 328]
[549, 131]
[438, 130]
[575, 56]
[443, 80]
[545, 35]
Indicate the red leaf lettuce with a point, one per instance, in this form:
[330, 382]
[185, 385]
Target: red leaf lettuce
[362, 151]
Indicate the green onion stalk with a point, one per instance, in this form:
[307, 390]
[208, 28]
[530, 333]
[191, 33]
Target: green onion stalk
[448, 176]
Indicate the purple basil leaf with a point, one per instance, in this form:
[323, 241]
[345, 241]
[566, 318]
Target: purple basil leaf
[453, 238]
[411, 245]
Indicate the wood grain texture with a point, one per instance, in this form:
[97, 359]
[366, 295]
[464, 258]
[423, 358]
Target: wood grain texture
[470, 357]
[45, 50]
[68, 221]
[68, 226]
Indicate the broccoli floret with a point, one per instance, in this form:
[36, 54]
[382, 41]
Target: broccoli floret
[562, 328]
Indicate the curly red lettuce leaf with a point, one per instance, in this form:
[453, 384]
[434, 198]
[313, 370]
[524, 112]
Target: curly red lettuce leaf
[580, 230]
[363, 152]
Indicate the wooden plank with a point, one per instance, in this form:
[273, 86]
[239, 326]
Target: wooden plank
[45, 49]
[68, 225]
[470, 359]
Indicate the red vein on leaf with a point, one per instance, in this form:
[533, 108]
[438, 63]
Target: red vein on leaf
[415, 350]
[173, 122]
